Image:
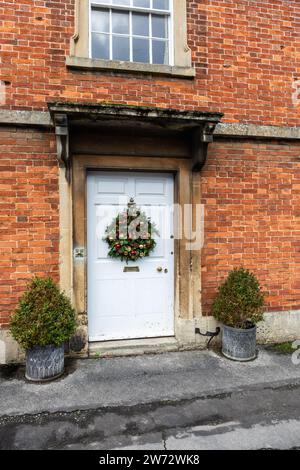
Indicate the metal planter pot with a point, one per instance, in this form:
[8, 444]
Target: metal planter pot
[239, 345]
[44, 363]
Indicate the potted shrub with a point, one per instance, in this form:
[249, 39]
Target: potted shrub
[239, 306]
[44, 319]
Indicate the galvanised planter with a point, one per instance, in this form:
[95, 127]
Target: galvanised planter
[44, 363]
[238, 344]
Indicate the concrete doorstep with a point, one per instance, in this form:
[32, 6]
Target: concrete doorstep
[186, 400]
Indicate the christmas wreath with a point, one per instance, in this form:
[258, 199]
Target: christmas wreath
[130, 234]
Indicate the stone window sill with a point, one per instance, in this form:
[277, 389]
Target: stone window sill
[135, 67]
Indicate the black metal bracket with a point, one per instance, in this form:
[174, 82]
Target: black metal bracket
[210, 334]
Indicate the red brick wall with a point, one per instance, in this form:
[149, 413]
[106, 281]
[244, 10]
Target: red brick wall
[251, 193]
[28, 212]
[246, 54]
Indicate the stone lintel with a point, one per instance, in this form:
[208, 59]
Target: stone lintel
[238, 130]
[25, 118]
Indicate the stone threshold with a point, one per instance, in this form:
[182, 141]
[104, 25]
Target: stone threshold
[133, 347]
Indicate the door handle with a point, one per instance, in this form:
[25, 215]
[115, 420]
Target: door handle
[160, 270]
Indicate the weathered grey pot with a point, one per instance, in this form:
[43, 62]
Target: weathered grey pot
[239, 345]
[44, 363]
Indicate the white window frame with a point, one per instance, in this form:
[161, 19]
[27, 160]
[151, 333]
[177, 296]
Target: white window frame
[130, 9]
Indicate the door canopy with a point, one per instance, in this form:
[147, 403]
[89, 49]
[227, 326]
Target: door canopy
[198, 126]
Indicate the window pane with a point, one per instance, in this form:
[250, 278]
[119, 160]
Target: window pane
[159, 26]
[140, 24]
[121, 2]
[161, 4]
[141, 3]
[160, 52]
[100, 20]
[140, 49]
[120, 22]
[100, 46]
[120, 48]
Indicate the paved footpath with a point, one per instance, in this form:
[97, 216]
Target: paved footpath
[187, 400]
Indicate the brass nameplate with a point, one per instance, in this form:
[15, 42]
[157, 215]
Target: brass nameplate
[131, 269]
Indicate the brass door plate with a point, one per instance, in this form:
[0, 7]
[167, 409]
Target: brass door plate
[131, 269]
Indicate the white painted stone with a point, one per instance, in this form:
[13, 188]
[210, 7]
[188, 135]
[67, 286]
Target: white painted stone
[2, 352]
[9, 349]
[185, 330]
[279, 327]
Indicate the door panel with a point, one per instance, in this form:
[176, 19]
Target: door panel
[124, 305]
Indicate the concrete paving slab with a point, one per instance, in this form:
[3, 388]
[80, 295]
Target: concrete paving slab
[128, 381]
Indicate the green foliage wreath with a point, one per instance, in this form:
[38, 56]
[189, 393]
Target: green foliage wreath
[130, 234]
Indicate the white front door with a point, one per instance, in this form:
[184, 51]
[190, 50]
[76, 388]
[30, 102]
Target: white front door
[139, 302]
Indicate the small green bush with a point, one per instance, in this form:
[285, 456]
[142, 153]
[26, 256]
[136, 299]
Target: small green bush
[240, 301]
[43, 316]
